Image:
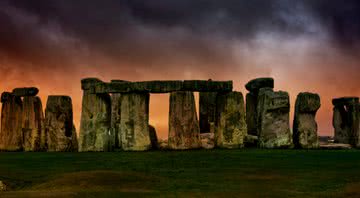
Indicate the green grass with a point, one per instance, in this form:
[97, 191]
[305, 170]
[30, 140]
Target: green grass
[198, 173]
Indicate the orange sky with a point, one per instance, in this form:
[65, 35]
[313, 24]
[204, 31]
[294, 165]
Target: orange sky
[53, 46]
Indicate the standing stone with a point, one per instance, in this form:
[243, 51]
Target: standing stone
[184, 128]
[59, 127]
[11, 117]
[207, 106]
[273, 119]
[115, 119]
[95, 125]
[253, 87]
[153, 137]
[134, 123]
[32, 123]
[358, 126]
[346, 120]
[230, 120]
[251, 106]
[305, 126]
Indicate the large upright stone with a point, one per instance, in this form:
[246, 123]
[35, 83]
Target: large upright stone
[115, 119]
[32, 123]
[346, 120]
[273, 119]
[207, 107]
[95, 125]
[11, 116]
[134, 123]
[184, 132]
[253, 87]
[251, 108]
[59, 127]
[305, 126]
[230, 120]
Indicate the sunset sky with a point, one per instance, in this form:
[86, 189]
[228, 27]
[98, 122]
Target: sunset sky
[305, 45]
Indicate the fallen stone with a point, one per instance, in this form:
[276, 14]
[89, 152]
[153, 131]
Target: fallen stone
[32, 123]
[207, 140]
[230, 120]
[95, 125]
[59, 126]
[273, 119]
[134, 124]
[3, 186]
[256, 84]
[11, 118]
[207, 107]
[335, 146]
[305, 126]
[251, 140]
[184, 128]
[25, 91]
[163, 144]
[153, 138]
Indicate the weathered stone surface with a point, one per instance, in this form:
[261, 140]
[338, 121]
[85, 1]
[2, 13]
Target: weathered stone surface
[305, 126]
[159, 86]
[153, 137]
[230, 120]
[89, 83]
[59, 126]
[115, 119]
[273, 119]
[11, 118]
[207, 140]
[346, 120]
[184, 128]
[134, 124]
[335, 146]
[251, 108]
[95, 125]
[345, 100]
[256, 84]
[32, 123]
[25, 91]
[207, 107]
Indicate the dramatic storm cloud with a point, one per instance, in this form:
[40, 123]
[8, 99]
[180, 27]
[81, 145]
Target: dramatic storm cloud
[307, 45]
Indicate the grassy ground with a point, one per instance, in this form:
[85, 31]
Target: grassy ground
[200, 173]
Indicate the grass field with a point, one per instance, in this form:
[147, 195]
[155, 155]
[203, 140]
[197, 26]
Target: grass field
[199, 173]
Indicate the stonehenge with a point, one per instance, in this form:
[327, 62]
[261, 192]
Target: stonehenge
[115, 115]
[273, 110]
[305, 126]
[253, 87]
[25, 128]
[346, 118]
[11, 120]
[184, 130]
[59, 128]
[32, 124]
[134, 123]
[95, 133]
[230, 120]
